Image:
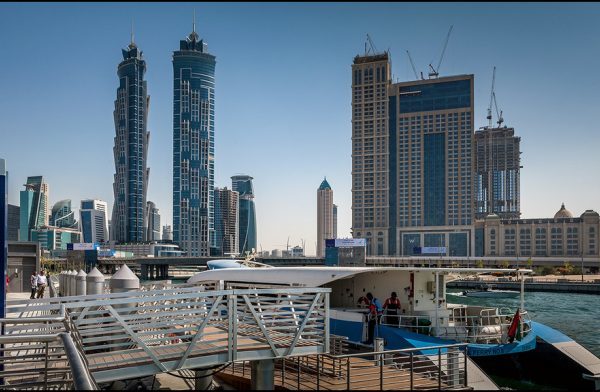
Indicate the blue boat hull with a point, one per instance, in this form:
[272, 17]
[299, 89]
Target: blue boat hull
[399, 338]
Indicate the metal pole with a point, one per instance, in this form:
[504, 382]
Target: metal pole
[439, 369]
[582, 261]
[522, 292]
[412, 368]
[318, 373]
[466, 380]
[437, 288]
[348, 374]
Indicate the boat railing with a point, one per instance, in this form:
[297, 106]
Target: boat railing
[440, 367]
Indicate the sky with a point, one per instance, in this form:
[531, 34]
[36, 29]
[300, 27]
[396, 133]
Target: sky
[283, 103]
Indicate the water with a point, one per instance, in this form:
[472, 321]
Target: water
[575, 315]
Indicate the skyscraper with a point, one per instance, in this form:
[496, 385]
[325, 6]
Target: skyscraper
[167, 233]
[62, 215]
[131, 148]
[34, 206]
[497, 173]
[324, 216]
[153, 229]
[193, 145]
[3, 232]
[94, 221]
[335, 217]
[14, 217]
[247, 223]
[412, 160]
[226, 220]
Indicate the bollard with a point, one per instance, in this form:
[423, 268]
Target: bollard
[94, 282]
[73, 283]
[61, 284]
[124, 280]
[80, 283]
[67, 281]
[204, 379]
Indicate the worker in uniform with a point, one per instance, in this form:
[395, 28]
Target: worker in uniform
[373, 315]
[392, 307]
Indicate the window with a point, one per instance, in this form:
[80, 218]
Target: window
[540, 241]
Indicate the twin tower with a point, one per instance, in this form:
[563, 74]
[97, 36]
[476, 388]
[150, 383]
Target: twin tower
[193, 147]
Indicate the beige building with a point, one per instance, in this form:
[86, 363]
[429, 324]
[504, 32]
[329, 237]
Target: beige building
[561, 236]
[325, 226]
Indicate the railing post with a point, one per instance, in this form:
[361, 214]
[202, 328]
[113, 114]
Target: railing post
[466, 363]
[347, 374]
[439, 368]
[327, 331]
[318, 373]
[283, 372]
[412, 369]
[299, 370]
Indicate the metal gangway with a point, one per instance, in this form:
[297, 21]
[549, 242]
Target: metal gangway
[145, 332]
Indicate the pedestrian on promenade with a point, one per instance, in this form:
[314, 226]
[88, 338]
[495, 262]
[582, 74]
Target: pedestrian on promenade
[41, 282]
[33, 279]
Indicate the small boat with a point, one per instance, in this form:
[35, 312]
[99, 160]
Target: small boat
[488, 292]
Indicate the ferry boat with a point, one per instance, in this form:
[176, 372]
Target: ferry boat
[424, 319]
[489, 292]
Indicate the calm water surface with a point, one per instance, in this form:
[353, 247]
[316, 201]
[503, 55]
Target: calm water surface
[575, 315]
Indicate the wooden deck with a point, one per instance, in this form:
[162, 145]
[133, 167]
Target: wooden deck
[364, 375]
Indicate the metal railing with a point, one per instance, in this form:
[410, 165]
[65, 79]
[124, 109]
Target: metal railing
[43, 362]
[436, 368]
[140, 333]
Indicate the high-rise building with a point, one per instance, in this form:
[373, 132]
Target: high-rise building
[62, 215]
[226, 220]
[14, 217]
[131, 148]
[34, 207]
[193, 146]
[335, 217]
[324, 216]
[167, 233]
[153, 229]
[3, 232]
[412, 160]
[94, 221]
[247, 223]
[497, 173]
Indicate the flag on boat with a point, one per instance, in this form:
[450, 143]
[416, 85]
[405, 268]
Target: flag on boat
[514, 331]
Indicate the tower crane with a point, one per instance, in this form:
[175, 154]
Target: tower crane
[413, 65]
[435, 72]
[372, 47]
[493, 100]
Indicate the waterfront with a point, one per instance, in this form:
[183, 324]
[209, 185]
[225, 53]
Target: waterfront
[575, 315]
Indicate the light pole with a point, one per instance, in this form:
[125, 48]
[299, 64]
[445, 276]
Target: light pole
[582, 264]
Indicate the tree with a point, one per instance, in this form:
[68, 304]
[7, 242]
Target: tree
[505, 264]
[529, 263]
[479, 263]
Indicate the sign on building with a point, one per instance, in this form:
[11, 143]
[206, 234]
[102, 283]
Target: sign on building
[430, 250]
[345, 243]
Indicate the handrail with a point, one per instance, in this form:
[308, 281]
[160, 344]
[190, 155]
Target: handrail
[82, 379]
[401, 350]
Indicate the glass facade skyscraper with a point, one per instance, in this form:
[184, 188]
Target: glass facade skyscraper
[226, 221]
[153, 229]
[94, 221]
[247, 221]
[131, 148]
[193, 146]
[34, 207]
[62, 215]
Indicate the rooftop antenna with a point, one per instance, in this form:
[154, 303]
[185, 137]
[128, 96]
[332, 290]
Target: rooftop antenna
[132, 35]
[194, 22]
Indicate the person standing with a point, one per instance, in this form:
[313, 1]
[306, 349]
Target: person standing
[34, 280]
[392, 307]
[374, 307]
[41, 282]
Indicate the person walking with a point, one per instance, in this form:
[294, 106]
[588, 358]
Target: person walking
[392, 307]
[41, 283]
[34, 280]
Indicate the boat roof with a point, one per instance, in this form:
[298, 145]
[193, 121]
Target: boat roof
[318, 276]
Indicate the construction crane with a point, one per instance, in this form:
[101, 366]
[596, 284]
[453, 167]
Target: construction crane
[435, 72]
[413, 65]
[495, 102]
[489, 110]
[372, 47]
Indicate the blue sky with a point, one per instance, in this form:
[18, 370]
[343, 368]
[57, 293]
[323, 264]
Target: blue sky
[283, 94]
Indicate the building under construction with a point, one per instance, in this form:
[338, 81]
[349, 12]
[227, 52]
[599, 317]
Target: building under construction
[497, 166]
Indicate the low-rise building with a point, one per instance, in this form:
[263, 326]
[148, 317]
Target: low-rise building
[51, 237]
[563, 235]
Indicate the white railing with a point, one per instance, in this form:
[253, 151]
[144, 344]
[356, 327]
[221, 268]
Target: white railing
[139, 333]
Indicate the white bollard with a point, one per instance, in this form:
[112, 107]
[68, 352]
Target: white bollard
[73, 283]
[95, 282]
[80, 283]
[124, 280]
